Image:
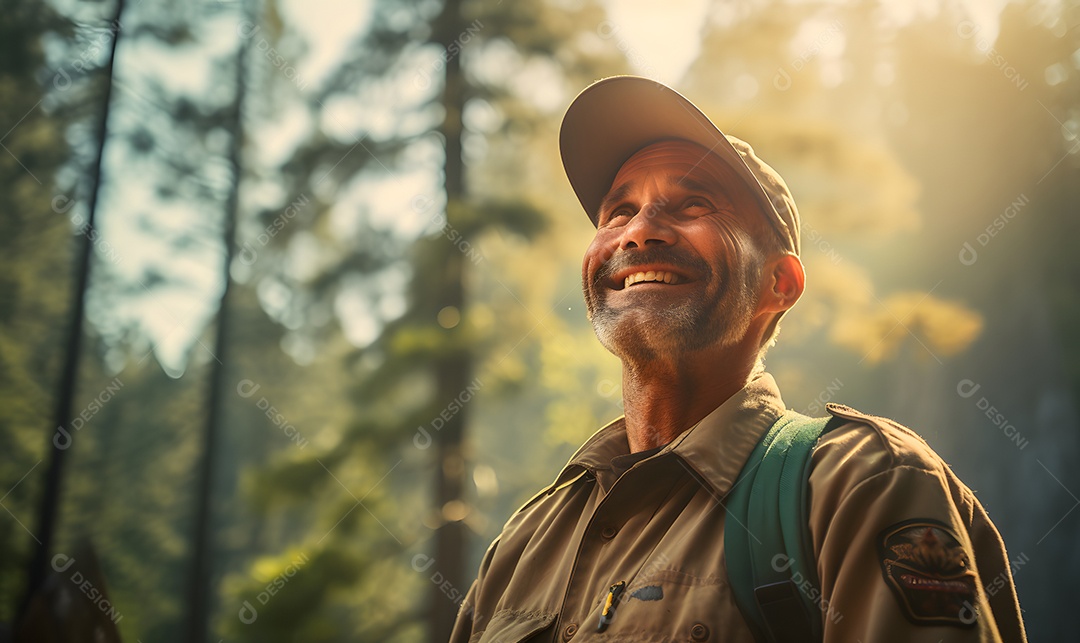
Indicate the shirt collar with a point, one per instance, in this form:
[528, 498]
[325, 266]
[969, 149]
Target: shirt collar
[716, 448]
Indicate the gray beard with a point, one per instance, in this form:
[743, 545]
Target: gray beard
[721, 318]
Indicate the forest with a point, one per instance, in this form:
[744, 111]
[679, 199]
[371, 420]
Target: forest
[290, 303]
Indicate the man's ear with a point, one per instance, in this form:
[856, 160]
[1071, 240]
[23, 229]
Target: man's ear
[785, 283]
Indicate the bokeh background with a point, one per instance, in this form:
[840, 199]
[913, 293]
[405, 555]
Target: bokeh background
[290, 313]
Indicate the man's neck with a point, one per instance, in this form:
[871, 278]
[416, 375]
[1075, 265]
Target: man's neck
[663, 398]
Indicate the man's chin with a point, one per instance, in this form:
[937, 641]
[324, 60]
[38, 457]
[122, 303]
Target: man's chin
[640, 337]
[641, 334]
[626, 347]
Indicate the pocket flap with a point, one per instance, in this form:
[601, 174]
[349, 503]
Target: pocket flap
[515, 626]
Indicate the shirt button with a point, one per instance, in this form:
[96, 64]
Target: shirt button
[569, 631]
[608, 533]
[699, 632]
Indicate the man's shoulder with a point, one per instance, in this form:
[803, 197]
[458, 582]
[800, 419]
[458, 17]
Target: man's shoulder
[595, 453]
[870, 447]
[549, 498]
[887, 442]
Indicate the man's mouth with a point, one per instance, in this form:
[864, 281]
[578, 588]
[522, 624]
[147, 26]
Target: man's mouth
[655, 276]
[649, 269]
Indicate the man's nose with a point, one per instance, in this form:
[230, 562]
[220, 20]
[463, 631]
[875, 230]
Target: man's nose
[648, 227]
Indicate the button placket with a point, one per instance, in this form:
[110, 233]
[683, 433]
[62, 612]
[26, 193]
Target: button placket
[628, 500]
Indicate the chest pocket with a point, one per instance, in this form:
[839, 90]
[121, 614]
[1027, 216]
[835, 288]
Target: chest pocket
[672, 605]
[514, 626]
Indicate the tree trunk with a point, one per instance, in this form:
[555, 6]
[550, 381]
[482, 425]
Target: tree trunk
[453, 372]
[201, 588]
[60, 442]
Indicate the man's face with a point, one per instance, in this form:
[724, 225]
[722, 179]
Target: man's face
[675, 265]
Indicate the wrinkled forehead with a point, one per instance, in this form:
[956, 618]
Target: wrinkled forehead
[685, 162]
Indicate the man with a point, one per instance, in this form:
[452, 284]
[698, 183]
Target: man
[695, 259]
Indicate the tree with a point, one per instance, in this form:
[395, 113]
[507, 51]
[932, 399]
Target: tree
[35, 240]
[415, 380]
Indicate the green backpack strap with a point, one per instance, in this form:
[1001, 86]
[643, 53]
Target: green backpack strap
[767, 543]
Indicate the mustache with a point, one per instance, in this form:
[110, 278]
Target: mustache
[624, 260]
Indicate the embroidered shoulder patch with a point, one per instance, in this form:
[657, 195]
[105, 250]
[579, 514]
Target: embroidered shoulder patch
[929, 572]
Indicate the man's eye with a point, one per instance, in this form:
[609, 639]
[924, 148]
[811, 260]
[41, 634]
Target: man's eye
[697, 203]
[619, 213]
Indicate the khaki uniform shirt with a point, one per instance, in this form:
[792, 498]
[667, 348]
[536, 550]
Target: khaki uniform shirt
[904, 550]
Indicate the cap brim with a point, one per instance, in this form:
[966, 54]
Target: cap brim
[614, 118]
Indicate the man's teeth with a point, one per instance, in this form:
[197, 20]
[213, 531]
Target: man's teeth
[652, 275]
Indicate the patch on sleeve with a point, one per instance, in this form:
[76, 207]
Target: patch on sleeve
[929, 572]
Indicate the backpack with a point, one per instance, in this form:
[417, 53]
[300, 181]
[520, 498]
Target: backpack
[767, 543]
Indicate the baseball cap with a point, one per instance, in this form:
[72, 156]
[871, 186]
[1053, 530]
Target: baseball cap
[615, 117]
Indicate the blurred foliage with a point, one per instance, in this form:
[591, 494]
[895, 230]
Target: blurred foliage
[35, 259]
[901, 140]
[878, 332]
[393, 376]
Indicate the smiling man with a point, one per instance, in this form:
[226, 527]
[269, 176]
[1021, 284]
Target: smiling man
[694, 262]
